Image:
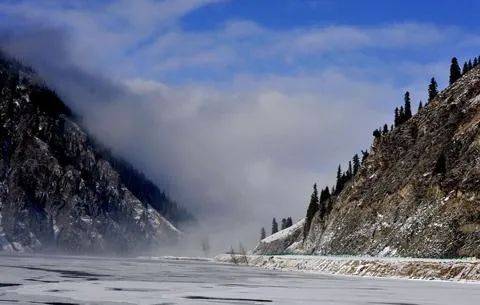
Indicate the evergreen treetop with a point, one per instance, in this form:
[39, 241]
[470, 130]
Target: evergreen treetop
[312, 209]
[455, 72]
[263, 234]
[408, 107]
[432, 89]
[356, 164]
[274, 226]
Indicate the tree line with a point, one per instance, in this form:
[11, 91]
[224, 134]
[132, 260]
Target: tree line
[285, 223]
[404, 113]
[319, 202]
[401, 115]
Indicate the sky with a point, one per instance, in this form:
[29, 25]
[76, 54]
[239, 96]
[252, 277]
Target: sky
[236, 107]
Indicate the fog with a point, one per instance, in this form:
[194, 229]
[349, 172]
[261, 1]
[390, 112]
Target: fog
[234, 145]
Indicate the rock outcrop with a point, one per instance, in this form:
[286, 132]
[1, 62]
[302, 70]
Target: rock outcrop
[418, 192]
[58, 190]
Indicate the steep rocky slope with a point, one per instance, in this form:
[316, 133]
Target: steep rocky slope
[58, 190]
[418, 192]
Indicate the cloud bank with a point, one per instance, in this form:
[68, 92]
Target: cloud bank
[236, 122]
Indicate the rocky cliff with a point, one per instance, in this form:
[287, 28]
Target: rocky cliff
[418, 192]
[59, 190]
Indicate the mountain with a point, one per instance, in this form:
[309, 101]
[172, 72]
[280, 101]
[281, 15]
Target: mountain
[417, 194]
[60, 190]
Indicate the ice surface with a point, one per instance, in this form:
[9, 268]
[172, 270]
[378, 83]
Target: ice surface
[87, 280]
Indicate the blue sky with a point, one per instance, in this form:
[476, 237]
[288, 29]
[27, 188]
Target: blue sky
[237, 107]
[293, 13]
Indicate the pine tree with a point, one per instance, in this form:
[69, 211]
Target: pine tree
[470, 65]
[396, 120]
[420, 106]
[339, 183]
[377, 133]
[385, 129]
[455, 72]
[284, 224]
[263, 234]
[364, 155]
[321, 202]
[324, 194]
[401, 116]
[350, 170]
[274, 226]
[465, 68]
[289, 222]
[312, 209]
[356, 164]
[408, 107]
[475, 62]
[432, 89]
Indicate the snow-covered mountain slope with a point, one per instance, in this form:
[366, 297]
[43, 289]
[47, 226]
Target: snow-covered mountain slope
[58, 190]
[418, 192]
[284, 241]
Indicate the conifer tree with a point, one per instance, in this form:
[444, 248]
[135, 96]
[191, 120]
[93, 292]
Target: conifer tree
[420, 106]
[350, 170]
[455, 72]
[312, 209]
[339, 183]
[325, 194]
[385, 129]
[321, 202]
[401, 116]
[465, 68]
[475, 62]
[263, 234]
[364, 155]
[396, 120]
[289, 222]
[470, 65]
[356, 164]
[408, 107]
[432, 89]
[284, 223]
[274, 226]
[377, 133]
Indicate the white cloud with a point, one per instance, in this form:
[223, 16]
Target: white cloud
[288, 106]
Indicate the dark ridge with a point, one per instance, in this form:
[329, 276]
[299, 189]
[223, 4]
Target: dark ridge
[47, 101]
[147, 192]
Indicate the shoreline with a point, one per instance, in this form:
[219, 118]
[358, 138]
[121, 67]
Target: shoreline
[451, 270]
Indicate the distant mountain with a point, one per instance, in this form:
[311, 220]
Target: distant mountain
[59, 190]
[417, 194]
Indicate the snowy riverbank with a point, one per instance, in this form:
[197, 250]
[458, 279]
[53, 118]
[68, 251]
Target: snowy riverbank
[408, 268]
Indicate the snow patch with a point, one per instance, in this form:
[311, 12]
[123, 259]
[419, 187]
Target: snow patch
[284, 233]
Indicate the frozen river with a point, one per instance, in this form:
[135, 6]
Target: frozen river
[78, 280]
